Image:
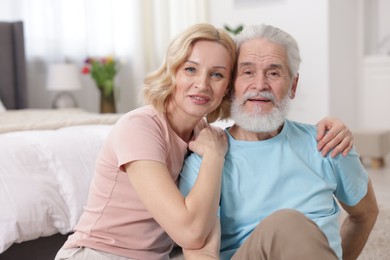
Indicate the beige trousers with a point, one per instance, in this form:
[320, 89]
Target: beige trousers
[286, 235]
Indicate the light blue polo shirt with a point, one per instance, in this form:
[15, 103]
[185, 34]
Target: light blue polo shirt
[283, 172]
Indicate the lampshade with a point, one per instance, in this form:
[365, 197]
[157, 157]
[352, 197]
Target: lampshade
[63, 77]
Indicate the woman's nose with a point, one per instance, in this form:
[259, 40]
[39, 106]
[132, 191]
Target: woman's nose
[203, 81]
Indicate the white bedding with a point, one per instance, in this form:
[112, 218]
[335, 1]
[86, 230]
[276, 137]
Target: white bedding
[43, 119]
[44, 180]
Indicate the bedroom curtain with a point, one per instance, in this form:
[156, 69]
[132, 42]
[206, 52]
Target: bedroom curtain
[135, 31]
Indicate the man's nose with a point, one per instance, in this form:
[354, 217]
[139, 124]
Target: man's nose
[261, 82]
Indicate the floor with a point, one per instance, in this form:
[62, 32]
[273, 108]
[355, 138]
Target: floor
[377, 247]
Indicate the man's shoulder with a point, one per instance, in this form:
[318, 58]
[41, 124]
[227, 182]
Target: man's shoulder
[193, 157]
[192, 161]
[189, 173]
[301, 128]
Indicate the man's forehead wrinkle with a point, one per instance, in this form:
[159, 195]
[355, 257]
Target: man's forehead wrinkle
[268, 60]
[246, 64]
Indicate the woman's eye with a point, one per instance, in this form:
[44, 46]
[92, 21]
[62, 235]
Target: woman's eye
[217, 75]
[190, 69]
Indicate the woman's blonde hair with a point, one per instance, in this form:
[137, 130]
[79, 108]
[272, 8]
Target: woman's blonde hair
[160, 84]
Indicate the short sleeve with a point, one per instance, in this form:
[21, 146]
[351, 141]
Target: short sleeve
[138, 137]
[352, 178]
[189, 173]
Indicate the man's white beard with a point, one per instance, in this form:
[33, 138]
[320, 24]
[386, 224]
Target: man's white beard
[256, 121]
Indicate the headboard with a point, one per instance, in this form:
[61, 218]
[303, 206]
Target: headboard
[13, 87]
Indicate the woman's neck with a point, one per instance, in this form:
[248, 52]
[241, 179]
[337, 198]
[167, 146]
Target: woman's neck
[182, 124]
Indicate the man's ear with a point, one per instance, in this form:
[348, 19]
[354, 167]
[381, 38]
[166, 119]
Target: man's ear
[294, 86]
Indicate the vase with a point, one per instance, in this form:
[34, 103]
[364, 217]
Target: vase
[107, 103]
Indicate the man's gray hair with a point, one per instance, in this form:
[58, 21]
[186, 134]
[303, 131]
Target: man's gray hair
[276, 36]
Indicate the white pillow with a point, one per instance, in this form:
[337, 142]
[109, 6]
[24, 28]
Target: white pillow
[2, 107]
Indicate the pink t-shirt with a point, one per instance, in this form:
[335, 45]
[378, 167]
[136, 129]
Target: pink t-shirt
[114, 219]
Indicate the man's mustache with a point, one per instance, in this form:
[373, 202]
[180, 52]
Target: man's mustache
[259, 95]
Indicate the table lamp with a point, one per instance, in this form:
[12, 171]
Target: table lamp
[63, 77]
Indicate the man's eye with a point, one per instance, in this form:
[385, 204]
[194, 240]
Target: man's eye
[273, 74]
[247, 73]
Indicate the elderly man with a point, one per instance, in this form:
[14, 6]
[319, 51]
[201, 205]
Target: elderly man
[280, 197]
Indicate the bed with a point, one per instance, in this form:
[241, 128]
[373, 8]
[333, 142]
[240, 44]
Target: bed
[47, 160]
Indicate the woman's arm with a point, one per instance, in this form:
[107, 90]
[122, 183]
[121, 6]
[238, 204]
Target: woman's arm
[333, 134]
[210, 250]
[189, 220]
